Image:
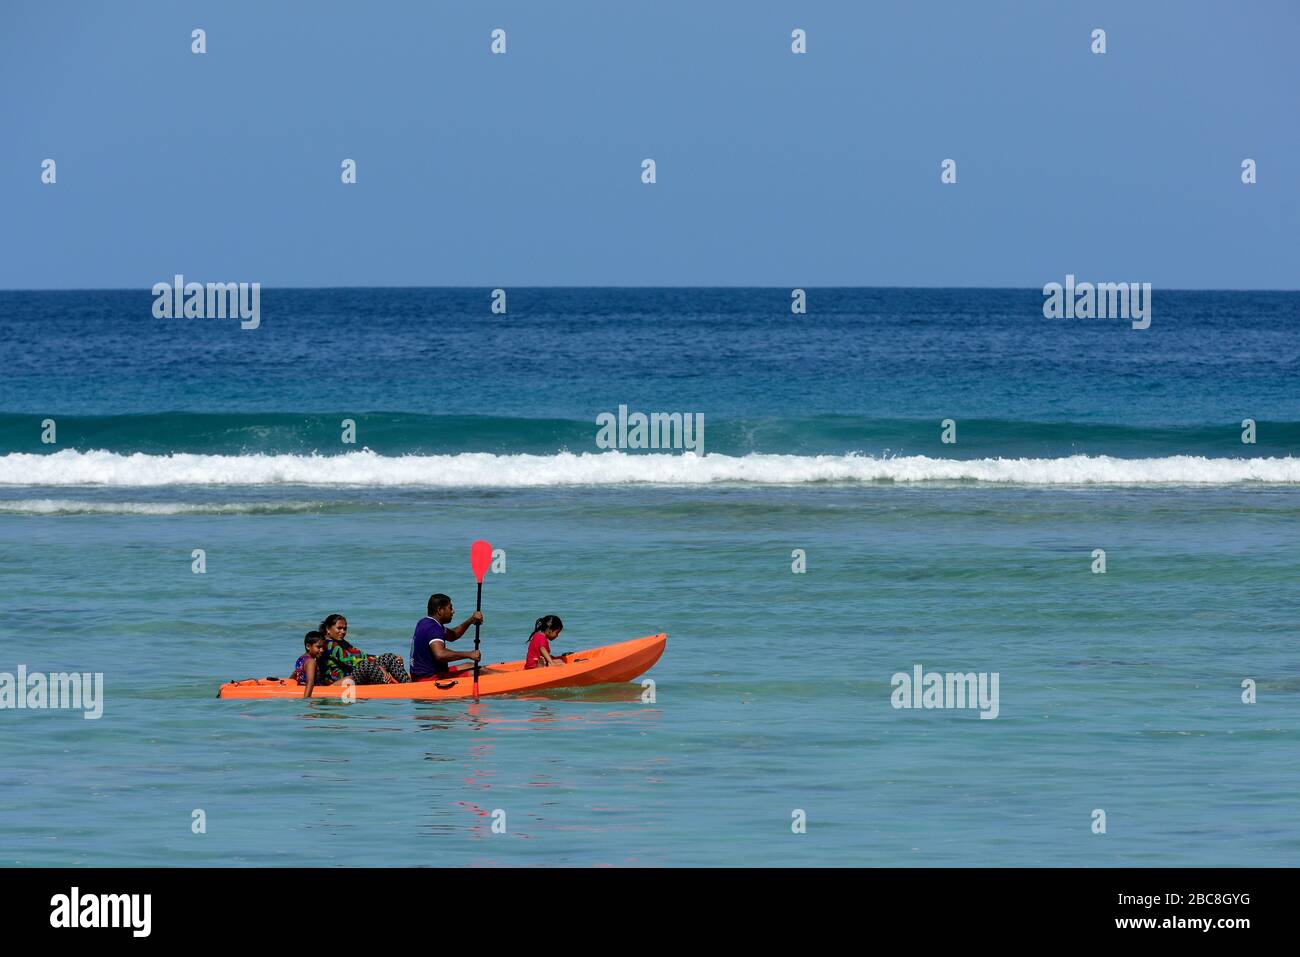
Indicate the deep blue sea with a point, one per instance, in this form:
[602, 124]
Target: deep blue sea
[824, 538]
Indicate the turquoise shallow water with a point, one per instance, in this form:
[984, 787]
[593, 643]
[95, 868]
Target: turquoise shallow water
[1118, 691]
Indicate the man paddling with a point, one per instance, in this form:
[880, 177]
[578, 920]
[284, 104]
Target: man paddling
[430, 656]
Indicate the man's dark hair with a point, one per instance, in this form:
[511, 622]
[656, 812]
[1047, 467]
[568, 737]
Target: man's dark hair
[438, 601]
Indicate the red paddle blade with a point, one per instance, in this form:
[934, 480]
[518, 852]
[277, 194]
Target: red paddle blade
[480, 559]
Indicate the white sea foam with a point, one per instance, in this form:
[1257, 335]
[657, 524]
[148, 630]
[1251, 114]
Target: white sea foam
[484, 470]
[52, 506]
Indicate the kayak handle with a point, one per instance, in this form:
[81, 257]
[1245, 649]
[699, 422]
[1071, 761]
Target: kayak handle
[444, 687]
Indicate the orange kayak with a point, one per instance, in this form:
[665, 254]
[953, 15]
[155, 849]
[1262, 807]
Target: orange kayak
[621, 662]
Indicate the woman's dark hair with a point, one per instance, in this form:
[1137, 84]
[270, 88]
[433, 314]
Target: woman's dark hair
[438, 601]
[545, 623]
[311, 638]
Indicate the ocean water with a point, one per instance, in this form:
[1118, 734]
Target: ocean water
[1119, 692]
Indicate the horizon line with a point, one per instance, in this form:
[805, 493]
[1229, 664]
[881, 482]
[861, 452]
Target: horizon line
[507, 286]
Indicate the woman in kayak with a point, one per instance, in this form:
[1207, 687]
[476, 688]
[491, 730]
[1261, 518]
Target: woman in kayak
[313, 666]
[545, 630]
[364, 669]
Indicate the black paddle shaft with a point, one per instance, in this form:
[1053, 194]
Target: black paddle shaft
[478, 606]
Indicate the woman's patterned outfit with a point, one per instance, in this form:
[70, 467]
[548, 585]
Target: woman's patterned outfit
[367, 669]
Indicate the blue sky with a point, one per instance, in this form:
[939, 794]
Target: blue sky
[773, 169]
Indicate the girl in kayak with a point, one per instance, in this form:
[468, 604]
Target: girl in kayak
[364, 669]
[313, 667]
[545, 630]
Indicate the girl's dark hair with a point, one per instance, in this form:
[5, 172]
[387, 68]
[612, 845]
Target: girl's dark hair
[329, 621]
[437, 601]
[311, 638]
[544, 623]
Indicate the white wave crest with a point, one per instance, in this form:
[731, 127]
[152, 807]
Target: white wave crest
[53, 506]
[485, 470]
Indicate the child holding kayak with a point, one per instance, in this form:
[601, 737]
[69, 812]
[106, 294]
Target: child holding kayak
[364, 669]
[545, 630]
[313, 666]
